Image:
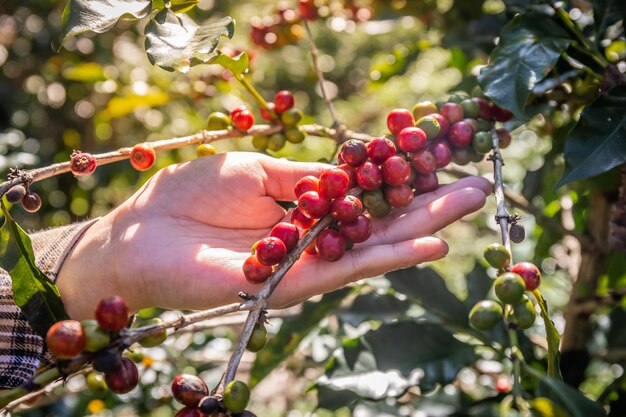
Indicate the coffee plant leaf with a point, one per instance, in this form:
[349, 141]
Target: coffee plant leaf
[237, 65]
[175, 42]
[530, 45]
[33, 291]
[597, 143]
[99, 16]
[569, 399]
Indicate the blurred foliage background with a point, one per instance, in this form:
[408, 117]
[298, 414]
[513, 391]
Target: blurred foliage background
[100, 92]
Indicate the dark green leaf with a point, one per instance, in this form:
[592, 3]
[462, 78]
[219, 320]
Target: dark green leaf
[552, 337]
[33, 292]
[237, 65]
[291, 333]
[529, 47]
[598, 142]
[99, 15]
[374, 306]
[607, 13]
[175, 42]
[428, 289]
[570, 399]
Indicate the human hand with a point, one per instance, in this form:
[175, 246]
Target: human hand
[180, 241]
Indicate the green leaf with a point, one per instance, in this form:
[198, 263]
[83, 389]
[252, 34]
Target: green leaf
[237, 65]
[33, 292]
[291, 333]
[568, 398]
[598, 142]
[552, 337]
[374, 306]
[175, 42]
[99, 15]
[607, 13]
[529, 47]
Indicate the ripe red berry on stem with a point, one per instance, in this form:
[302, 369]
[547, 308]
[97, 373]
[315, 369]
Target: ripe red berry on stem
[357, 231]
[530, 273]
[300, 220]
[66, 339]
[237, 110]
[254, 271]
[424, 162]
[396, 170]
[347, 208]
[500, 114]
[485, 108]
[142, 156]
[353, 152]
[452, 111]
[313, 205]
[461, 134]
[399, 196]
[288, 233]
[268, 114]
[351, 171]
[124, 378]
[31, 202]
[271, 251]
[380, 149]
[82, 163]
[369, 177]
[330, 245]
[333, 183]
[425, 183]
[398, 119]
[504, 136]
[442, 153]
[411, 139]
[189, 389]
[304, 184]
[283, 100]
[112, 313]
[243, 120]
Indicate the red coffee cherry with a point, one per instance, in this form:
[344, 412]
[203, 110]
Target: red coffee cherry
[411, 139]
[243, 120]
[442, 153]
[485, 108]
[354, 152]
[351, 171]
[357, 231]
[380, 149]
[16, 194]
[288, 233]
[283, 100]
[112, 313]
[530, 273]
[333, 183]
[461, 134]
[268, 114]
[424, 162]
[398, 119]
[452, 111]
[313, 205]
[254, 271]
[500, 114]
[308, 183]
[236, 111]
[300, 220]
[369, 177]
[66, 339]
[346, 209]
[189, 412]
[399, 196]
[271, 251]
[307, 9]
[310, 250]
[82, 163]
[425, 183]
[142, 157]
[504, 136]
[396, 170]
[124, 378]
[330, 245]
[503, 385]
[31, 202]
[444, 125]
[189, 389]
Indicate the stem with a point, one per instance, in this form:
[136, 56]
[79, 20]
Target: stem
[320, 74]
[580, 66]
[503, 218]
[516, 357]
[253, 92]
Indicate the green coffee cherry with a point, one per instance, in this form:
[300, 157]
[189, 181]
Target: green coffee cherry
[258, 339]
[470, 108]
[375, 203]
[276, 142]
[485, 315]
[236, 396]
[509, 288]
[291, 117]
[154, 339]
[218, 121]
[97, 338]
[497, 256]
[294, 135]
[523, 314]
[430, 125]
[260, 142]
[482, 143]
[95, 383]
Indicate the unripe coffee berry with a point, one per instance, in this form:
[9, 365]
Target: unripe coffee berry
[112, 313]
[308, 183]
[530, 273]
[288, 233]
[333, 183]
[254, 271]
[430, 125]
[284, 100]
[497, 255]
[291, 117]
[205, 149]
[485, 315]
[313, 205]
[398, 119]
[411, 139]
[154, 339]
[522, 314]
[66, 339]
[444, 125]
[96, 337]
[82, 163]
[354, 152]
[330, 245]
[258, 338]
[236, 396]
[124, 378]
[424, 108]
[482, 143]
[270, 251]
[358, 230]
[346, 209]
[509, 288]
[16, 194]
[243, 120]
[189, 389]
[380, 149]
[142, 157]
[375, 203]
[294, 135]
[369, 177]
[219, 121]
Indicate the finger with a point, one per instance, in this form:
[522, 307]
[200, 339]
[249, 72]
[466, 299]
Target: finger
[426, 220]
[282, 176]
[357, 264]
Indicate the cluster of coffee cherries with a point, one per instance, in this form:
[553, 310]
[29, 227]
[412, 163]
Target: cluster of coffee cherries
[240, 118]
[20, 194]
[510, 287]
[280, 111]
[74, 343]
[193, 393]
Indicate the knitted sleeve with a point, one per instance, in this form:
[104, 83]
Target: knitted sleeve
[21, 350]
